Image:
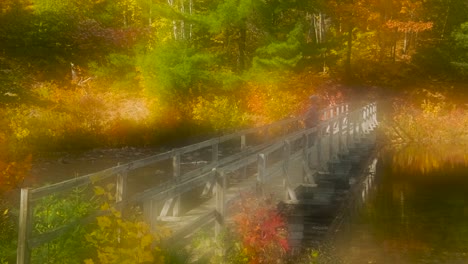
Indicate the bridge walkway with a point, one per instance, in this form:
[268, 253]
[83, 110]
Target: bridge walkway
[186, 193]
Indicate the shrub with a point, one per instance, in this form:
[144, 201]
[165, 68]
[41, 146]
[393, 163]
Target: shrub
[221, 113]
[53, 212]
[260, 231]
[119, 240]
[434, 125]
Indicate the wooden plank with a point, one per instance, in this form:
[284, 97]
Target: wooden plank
[76, 182]
[241, 163]
[192, 226]
[209, 185]
[171, 188]
[51, 235]
[228, 137]
[272, 170]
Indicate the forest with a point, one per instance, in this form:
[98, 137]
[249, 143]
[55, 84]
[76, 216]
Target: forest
[82, 74]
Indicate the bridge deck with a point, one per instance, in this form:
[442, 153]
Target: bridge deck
[270, 159]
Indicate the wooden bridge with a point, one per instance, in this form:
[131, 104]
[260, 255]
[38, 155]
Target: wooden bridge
[192, 186]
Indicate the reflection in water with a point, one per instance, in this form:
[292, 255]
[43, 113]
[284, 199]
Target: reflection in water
[421, 159]
[407, 218]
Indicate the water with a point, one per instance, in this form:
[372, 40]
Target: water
[413, 216]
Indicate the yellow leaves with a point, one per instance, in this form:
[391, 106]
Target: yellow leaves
[103, 221]
[118, 240]
[146, 240]
[219, 112]
[98, 190]
[437, 130]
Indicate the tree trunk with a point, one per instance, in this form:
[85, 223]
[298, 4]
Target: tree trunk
[174, 23]
[315, 28]
[190, 12]
[182, 22]
[321, 27]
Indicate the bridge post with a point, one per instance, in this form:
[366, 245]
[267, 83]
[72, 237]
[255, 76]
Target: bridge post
[305, 156]
[24, 228]
[319, 146]
[176, 175]
[355, 126]
[375, 114]
[121, 187]
[366, 119]
[289, 193]
[340, 133]
[243, 145]
[363, 121]
[261, 173]
[214, 161]
[330, 139]
[221, 184]
[348, 128]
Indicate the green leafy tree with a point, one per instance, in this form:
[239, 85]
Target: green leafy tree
[174, 70]
[460, 37]
[280, 55]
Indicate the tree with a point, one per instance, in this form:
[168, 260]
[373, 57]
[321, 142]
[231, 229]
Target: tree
[460, 38]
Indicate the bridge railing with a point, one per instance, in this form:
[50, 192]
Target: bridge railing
[160, 199]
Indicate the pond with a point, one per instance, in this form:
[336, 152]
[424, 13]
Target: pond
[408, 214]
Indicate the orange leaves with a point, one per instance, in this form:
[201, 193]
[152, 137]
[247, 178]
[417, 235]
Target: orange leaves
[12, 173]
[267, 103]
[409, 26]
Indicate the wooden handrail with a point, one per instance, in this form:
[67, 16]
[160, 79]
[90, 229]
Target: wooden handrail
[356, 122]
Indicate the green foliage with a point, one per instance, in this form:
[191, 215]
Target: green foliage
[118, 72]
[54, 212]
[8, 233]
[460, 37]
[13, 78]
[280, 55]
[174, 69]
[232, 14]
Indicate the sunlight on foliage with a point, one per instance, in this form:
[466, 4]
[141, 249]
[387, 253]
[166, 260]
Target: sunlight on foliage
[221, 113]
[118, 239]
[435, 124]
